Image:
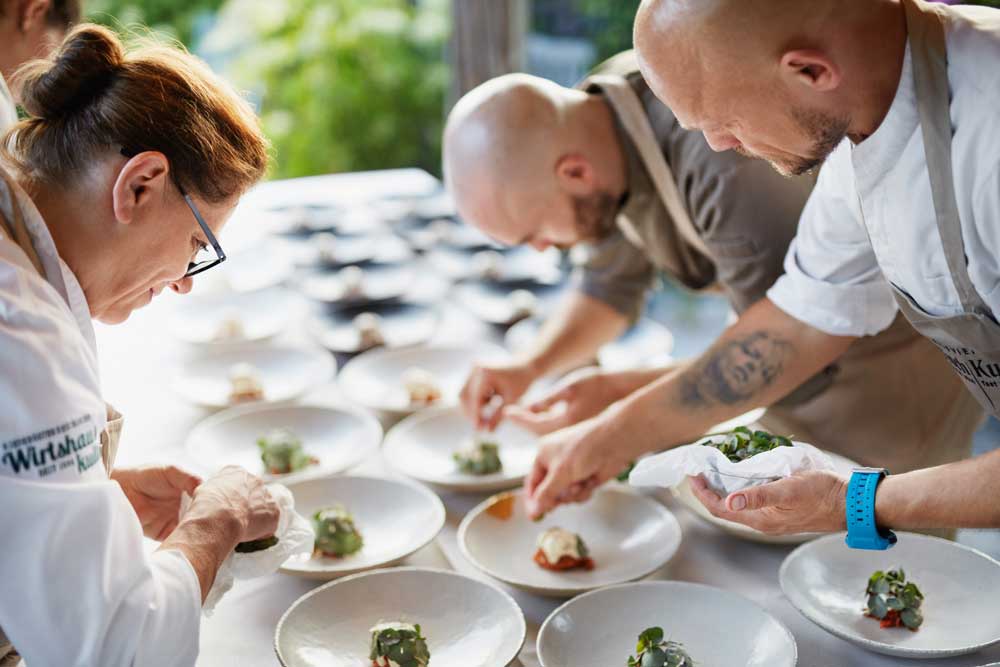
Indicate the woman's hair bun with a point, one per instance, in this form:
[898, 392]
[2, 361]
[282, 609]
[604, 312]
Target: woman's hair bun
[80, 71]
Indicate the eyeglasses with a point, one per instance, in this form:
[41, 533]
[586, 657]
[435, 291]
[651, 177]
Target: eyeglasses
[200, 264]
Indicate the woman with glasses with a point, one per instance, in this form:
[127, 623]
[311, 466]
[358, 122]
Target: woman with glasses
[113, 189]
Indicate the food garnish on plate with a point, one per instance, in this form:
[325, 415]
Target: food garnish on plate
[559, 550]
[326, 244]
[655, 651]
[244, 384]
[230, 327]
[422, 386]
[894, 601]
[481, 457]
[502, 505]
[523, 303]
[281, 452]
[352, 281]
[369, 328]
[741, 443]
[336, 534]
[398, 645]
[488, 264]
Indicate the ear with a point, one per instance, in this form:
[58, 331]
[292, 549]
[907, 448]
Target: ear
[31, 14]
[575, 174]
[810, 68]
[143, 179]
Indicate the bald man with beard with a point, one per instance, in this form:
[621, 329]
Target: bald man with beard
[899, 101]
[607, 166]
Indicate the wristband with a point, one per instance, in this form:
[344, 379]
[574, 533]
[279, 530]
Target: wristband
[862, 533]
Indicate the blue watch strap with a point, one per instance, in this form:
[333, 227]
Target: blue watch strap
[862, 533]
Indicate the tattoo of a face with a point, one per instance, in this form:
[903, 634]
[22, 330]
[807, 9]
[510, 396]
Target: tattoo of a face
[735, 371]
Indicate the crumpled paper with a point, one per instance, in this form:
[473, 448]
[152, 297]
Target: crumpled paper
[723, 476]
[295, 536]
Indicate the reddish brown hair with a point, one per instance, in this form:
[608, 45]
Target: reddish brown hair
[93, 96]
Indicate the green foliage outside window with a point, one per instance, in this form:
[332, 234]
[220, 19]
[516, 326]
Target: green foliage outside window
[176, 18]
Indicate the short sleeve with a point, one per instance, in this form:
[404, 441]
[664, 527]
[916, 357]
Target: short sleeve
[616, 273]
[832, 280]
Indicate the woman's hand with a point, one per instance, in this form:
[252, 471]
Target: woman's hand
[508, 381]
[582, 395]
[155, 495]
[806, 502]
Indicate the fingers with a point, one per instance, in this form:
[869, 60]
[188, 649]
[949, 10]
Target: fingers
[709, 498]
[182, 479]
[547, 493]
[760, 497]
[549, 400]
[539, 423]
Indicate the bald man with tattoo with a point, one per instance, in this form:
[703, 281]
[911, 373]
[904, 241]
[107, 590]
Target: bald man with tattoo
[607, 166]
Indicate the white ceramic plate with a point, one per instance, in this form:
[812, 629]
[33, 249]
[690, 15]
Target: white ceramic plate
[374, 379]
[421, 447]
[395, 519]
[519, 263]
[285, 372]
[339, 437]
[684, 494]
[466, 621]
[490, 300]
[643, 343]
[381, 282]
[717, 628]
[261, 265]
[825, 580]
[629, 536]
[402, 324]
[262, 314]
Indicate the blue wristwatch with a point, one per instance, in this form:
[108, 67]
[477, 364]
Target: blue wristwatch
[862, 533]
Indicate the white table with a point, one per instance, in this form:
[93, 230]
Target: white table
[136, 358]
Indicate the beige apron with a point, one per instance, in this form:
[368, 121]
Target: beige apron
[890, 401]
[970, 341]
[16, 231]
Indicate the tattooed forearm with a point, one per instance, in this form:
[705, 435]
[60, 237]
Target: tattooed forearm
[735, 371]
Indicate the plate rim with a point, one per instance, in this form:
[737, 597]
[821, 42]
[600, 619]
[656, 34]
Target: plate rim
[471, 482]
[574, 590]
[312, 322]
[661, 583]
[295, 312]
[507, 597]
[484, 347]
[237, 411]
[439, 507]
[869, 644]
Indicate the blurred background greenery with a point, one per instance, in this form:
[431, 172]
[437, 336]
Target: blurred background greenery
[349, 85]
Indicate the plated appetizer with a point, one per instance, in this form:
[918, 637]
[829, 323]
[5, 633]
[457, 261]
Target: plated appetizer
[894, 601]
[281, 453]
[398, 645]
[244, 384]
[481, 457]
[352, 280]
[523, 303]
[230, 327]
[422, 386]
[742, 443]
[326, 244]
[654, 651]
[560, 550]
[488, 264]
[369, 328]
[336, 535]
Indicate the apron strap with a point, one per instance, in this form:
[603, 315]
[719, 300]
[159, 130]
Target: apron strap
[633, 118]
[924, 23]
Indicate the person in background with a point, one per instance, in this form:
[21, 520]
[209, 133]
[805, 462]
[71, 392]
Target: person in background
[113, 189]
[29, 29]
[893, 99]
[608, 166]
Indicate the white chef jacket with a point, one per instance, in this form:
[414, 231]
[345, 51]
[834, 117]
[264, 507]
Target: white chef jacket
[76, 587]
[837, 273]
[8, 107]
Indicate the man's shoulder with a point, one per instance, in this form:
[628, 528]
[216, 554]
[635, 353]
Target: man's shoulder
[624, 64]
[973, 42]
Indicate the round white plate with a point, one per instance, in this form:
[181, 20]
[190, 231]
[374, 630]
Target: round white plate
[648, 340]
[381, 282]
[629, 536]
[261, 265]
[340, 437]
[421, 447]
[263, 314]
[466, 621]
[519, 263]
[490, 300]
[684, 494]
[402, 324]
[374, 379]
[285, 372]
[825, 580]
[602, 627]
[395, 519]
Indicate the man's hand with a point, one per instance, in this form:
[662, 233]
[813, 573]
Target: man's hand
[155, 495]
[236, 496]
[508, 381]
[571, 463]
[582, 395]
[806, 502]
